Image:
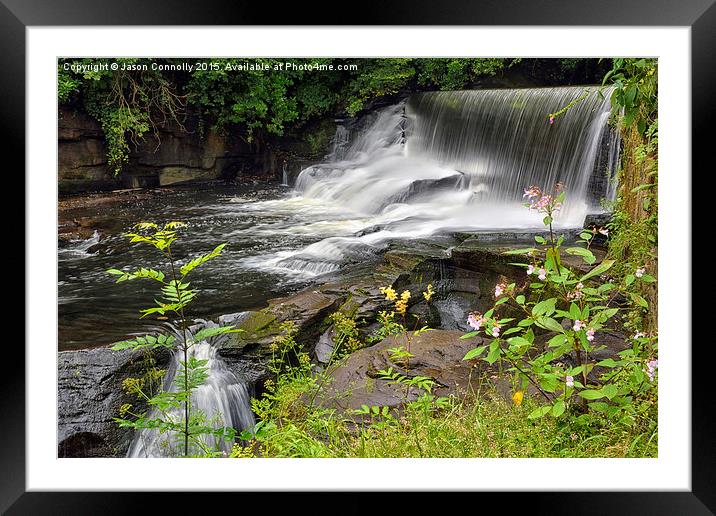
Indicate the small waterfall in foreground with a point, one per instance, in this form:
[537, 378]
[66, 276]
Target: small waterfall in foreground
[455, 161]
[223, 398]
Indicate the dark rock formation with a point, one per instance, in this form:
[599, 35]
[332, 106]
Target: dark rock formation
[90, 395]
[178, 154]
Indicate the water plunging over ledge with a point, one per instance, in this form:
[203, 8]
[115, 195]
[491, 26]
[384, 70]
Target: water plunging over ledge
[457, 161]
[224, 399]
[437, 163]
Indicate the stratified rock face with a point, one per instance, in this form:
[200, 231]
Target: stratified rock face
[438, 354]
[82, 153]
[90, 395]
[173, 155]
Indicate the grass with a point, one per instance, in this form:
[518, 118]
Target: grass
[484, 425]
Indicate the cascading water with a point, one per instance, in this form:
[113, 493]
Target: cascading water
[284, 177]
[439, 163]
[223, 398]
[457, 161]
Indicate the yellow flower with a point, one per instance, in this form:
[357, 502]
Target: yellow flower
[405, 295]
[429, 293]
[389, 293]
[517, 398]
[401, 306]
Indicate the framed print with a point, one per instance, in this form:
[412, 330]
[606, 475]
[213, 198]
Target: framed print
[420, 258]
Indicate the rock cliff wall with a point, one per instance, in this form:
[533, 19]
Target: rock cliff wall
[176, 155]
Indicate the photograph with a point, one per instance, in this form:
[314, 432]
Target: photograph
[413, 252]
[357, 257]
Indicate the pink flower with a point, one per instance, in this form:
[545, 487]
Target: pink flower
[640, 272]
[590, 334]
[500, 289]
[551, 120]
[638, 335]
[604, 231]
[650, 370]
[542, 274]
[496, 329]
[577, 294]
[569, 381]
[578, 325]
[475, 320]
[530, 269]
[532, 191]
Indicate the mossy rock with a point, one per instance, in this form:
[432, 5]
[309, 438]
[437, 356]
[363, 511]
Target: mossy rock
[259, 329]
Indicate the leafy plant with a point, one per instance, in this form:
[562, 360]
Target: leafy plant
[574, 306]
[176, 295]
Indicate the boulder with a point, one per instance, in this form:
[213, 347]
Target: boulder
[307, 310]
[438, 354]
[90, 395]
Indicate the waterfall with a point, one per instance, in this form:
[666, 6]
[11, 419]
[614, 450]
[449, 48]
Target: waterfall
[485, 144]
[454, 161]
[223, 398]
[284, 180]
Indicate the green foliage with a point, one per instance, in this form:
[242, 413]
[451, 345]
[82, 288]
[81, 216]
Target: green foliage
[67, 85]
[625, 388]
[634, 228]
[258, 97]
[171, 411]
[480, 425]
[635, 91]
[347, 338]
[128, 102]
[458, 73]
[388, 326]
[378, 78]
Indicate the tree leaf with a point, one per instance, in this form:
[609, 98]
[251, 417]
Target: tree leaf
[638, 300]
[599, 269]
[549, 324]
[540, 412]
[474, 353]
[586, 254]
[558, 408]
[591, 394]
[545, 307]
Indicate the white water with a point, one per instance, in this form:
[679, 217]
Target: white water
[284, 177]
[444, 162]
[79, 248]
[224, 399]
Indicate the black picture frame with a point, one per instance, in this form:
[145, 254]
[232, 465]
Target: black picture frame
[699, 15]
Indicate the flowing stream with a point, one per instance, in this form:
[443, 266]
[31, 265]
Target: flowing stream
[223, 399]
[438, 162]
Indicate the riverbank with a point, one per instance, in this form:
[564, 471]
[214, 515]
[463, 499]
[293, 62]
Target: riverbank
[462, 269]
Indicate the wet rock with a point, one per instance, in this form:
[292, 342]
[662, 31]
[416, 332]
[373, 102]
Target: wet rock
[325, 346]
[453, 309]
[90, 395]
[598, 219]
[424, 314]
[306, 310]
[475, 255]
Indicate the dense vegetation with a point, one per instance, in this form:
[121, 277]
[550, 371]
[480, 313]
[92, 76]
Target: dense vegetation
[262, 97]
[635, 223]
